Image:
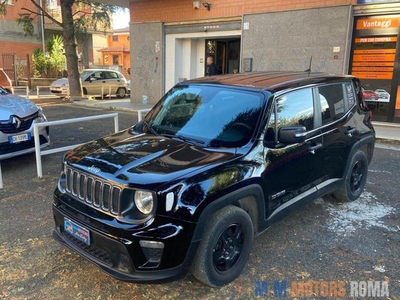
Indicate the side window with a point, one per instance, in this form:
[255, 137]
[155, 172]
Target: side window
[332, 102]
[98, 75]
[292, 109]
[111, 75]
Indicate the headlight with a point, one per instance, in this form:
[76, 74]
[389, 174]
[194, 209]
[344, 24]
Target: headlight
[144, 201]
[62, 181]
[41, 116]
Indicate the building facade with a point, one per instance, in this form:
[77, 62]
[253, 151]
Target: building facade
[117, 52]
[16, 48]
[171, 39]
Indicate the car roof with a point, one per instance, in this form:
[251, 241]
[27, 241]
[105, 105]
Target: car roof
[95, 70]
[271, 80]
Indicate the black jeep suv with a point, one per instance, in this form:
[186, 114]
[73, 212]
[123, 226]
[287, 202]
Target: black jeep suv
[215, 162]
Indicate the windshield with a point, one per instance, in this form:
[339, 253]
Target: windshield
[212, 116]
[85, 74]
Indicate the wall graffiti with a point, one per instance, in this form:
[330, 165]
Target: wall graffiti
[146, 66]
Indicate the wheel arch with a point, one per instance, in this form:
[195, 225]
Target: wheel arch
[249, 198]
[365, 144]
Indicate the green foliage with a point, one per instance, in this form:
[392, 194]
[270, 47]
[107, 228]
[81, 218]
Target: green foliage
[52, 62]
[56, 56]
[39, 63]
[26, 22]
[3, 8]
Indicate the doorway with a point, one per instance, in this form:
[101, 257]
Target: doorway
[226, 54]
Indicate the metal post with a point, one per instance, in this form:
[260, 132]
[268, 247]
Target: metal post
[37, 152]
[116, 121]
[1, 178]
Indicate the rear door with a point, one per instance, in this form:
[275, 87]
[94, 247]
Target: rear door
[340, 125]
[112, 82]
[292, 171]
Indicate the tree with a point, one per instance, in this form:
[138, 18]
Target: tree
[77, 16]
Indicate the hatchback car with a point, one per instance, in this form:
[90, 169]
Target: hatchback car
[370, 95]
[214, 163]
[17, 117]
[383, 94]
[95, 82]
[5, 81]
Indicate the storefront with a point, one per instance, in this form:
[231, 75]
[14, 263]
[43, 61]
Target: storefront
[375, 51]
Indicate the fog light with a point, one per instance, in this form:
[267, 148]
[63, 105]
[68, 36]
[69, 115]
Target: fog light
[153, 252]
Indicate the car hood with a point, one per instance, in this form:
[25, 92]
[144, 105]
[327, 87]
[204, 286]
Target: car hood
[143, 159]
[60, 82]
[15, 105]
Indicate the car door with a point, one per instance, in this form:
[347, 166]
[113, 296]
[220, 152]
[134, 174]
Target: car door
[112, 82]
[340, 126]
[94, 83]
[292, 170]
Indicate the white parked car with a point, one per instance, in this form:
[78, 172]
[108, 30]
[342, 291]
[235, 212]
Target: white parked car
[383, 94]
[17, 116]
[128, 87]
[95, 82]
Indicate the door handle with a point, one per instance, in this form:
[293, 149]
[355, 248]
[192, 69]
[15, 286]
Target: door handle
[350, 131]
[314, 147]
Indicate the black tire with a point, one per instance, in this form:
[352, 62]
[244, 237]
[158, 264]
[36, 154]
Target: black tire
[84, 90]
[121, 93]
[225, 247]
[355, 178]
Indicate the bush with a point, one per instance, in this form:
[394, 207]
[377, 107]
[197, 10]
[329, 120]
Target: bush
[50, 63]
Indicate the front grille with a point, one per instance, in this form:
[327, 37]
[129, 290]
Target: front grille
[7, 126]
[93, 191]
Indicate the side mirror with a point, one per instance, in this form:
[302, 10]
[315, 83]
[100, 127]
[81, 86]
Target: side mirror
[292, 134]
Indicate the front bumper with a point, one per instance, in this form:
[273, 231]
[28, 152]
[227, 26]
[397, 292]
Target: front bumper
[127, 253]
[8, 150]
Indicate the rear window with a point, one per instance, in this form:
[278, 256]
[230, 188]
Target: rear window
[335, 100]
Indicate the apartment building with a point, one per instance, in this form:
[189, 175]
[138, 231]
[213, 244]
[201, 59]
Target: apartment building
[170, 40]
[17, 48]
[117, 52]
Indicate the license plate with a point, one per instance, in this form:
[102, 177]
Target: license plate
[19, 138]
[77, 231]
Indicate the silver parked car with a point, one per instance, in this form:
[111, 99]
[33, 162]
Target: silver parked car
[383, 94]
[95, 82]
[17, 116]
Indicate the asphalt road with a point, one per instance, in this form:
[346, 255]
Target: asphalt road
[324, 249]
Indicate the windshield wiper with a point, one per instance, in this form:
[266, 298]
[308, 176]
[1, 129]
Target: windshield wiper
[188, 139]
[184, 138]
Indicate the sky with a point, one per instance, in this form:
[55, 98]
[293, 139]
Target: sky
[121, 20]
